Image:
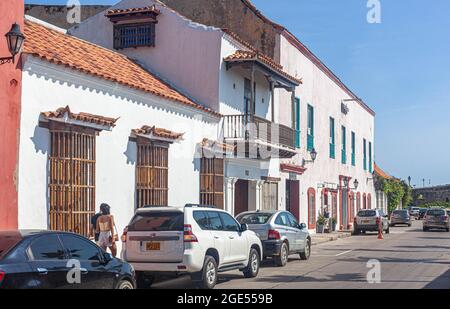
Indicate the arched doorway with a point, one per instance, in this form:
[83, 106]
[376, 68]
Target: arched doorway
[364, 201]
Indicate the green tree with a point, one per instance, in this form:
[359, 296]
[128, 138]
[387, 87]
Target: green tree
[407, 197]
[395, 193]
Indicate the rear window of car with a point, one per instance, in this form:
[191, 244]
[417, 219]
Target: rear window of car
[367, 213]
[254, 218]
[401, 212]
[157, 221]
[7, 242]
[436, 212]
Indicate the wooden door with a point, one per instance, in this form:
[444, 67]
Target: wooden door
[241, 197]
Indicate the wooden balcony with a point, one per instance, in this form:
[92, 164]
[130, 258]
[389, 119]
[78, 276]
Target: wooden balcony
[250, 128]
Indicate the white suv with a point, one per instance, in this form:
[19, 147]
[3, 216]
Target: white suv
[196, 240]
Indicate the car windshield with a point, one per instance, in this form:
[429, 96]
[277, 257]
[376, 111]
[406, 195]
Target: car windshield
[367, 213]
[157, 221]
[8, 240]
[254, 218]
[436, 212]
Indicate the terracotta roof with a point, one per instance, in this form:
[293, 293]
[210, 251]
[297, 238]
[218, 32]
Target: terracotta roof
[158, 132]
[63, 49]
[381, 173]
[215, 145]
[243, 55]
[84, 117]
[147, 9]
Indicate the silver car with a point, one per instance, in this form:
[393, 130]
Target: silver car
[280, 234]
[436, 218]
[368, 220]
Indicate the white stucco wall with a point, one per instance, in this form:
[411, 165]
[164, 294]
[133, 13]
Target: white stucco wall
[186, 53]
[47, 87]
[325, 96]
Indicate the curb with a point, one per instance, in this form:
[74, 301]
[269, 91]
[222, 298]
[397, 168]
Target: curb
[316, 240]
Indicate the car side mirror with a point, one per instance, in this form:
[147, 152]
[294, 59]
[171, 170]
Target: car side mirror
[244, 227]
[302, 226]
[107, 257]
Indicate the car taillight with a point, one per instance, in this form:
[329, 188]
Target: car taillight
[445, 218]
[124, 235]
[188, 235]
[274, 235]
[2, 276]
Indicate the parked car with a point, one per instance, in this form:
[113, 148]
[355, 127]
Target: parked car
[280, 234]
[422, 213]
[196, 240]
[436, 218]
[44, 259]
[400, 217]
[414, 212]
[368, 220]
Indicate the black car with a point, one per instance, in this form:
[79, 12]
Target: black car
[55, 260]
[422, 212]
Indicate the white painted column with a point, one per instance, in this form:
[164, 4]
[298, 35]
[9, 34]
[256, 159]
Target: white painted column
[258, 191]
[230, 183]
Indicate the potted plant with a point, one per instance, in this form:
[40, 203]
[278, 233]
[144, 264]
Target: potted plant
[333, 224]
[321, 224]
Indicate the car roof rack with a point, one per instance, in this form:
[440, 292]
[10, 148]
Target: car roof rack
[200, 206]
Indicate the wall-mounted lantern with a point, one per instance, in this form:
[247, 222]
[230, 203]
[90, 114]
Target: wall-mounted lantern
[15, 40]
[313, 154]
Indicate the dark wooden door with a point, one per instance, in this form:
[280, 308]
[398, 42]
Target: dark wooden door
[241, 197]
[292, 198]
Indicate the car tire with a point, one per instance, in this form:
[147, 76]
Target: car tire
[447, 229]
[388, 230]
[254, 262]
[307, 253]
[281, 259]
[209, 274]
[125, 285]
[144, 281]
[355, 232]
[425, 229]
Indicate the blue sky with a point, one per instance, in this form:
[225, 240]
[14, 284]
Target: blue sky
[401, 68]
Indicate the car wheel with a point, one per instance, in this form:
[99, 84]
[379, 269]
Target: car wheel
[208, 275]
[282, 258]
[447, 229]
[252, 269]
[425, 229]
[356, 232]
[307, 253]
[125, 285]
[144, 281]
[388, 230]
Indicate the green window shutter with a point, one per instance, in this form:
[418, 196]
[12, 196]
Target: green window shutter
[344, 145]
[370, 157]
[297, 123]
[332, 139]
[310, 135]
[365, 154]
[353, 148]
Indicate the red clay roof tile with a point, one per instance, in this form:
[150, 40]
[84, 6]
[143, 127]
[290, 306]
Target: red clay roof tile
[63, 49]
[84, 117]
[158, 132]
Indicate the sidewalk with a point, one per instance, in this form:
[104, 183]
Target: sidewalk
[326, 237]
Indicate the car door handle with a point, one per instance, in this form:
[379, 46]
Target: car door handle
[231, 237]
[42, 271]
[84, 271]
[216, 237]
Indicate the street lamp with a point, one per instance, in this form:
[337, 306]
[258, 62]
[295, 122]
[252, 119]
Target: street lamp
[409, 180]
[356, 184]
[313, 155]
[15, 40]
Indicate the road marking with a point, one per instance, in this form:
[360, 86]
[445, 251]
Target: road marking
[333, 255]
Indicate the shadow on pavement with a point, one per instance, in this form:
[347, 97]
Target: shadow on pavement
[441, 282]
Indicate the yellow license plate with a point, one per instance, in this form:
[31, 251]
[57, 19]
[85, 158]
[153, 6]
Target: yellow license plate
[153, 246]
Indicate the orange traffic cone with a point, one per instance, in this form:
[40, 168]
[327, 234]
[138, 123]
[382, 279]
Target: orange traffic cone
[380, 231]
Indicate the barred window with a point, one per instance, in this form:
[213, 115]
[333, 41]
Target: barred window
[134, 35]
[71, 180]
[152, 174]
[212, 182]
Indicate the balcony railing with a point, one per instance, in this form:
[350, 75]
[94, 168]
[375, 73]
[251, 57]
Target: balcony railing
[250, 127]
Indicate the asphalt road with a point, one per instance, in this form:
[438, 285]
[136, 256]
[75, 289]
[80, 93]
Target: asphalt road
[408, 258]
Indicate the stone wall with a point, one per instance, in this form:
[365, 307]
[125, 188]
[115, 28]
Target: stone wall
[57, 14]
[432, 194]
[239, 16]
